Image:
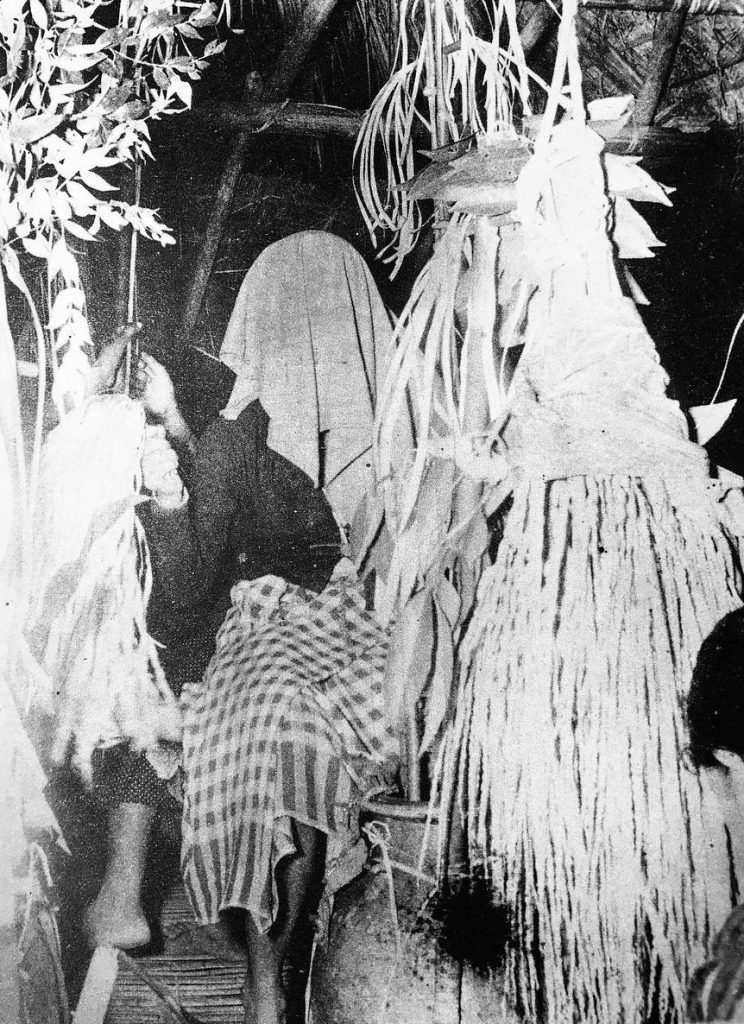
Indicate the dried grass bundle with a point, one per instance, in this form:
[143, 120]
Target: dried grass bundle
[564, 734]
[449, 84]
[91, 585]
[565, 750]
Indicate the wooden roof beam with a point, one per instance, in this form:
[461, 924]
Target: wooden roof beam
[665, 46]
[538, 26]
[311, 21]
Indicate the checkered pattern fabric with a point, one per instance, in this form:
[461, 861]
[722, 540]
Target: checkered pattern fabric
[287, 722]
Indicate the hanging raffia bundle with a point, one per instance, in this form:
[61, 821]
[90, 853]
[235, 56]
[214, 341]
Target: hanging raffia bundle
[91, 586]
[564, 736]
[565, 751]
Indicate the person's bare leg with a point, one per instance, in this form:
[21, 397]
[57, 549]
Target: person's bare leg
[298, 880]
[115, 918]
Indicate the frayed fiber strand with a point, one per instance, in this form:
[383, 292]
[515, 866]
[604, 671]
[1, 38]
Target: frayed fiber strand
[573, 676]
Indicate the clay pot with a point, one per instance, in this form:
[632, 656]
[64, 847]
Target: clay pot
[371, 971]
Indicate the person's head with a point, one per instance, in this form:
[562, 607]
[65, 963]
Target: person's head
[715, 704]
[715, 718]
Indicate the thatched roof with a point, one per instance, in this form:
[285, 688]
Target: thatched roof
[617, 39]
[684, 67]
[706, 84]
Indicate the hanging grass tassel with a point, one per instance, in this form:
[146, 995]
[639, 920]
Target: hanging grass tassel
[91, 586]
[570, 727]
[448, 85]
[565, 752]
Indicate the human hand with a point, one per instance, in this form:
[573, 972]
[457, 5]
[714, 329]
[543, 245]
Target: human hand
[103, 372]
[160, 469]
[154, 388]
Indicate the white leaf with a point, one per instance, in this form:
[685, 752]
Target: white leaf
[631, 234]
[79, 231]
[610, 108]
[37, 245]
[625, 178]
[636, 292]
[13, 267]
[188, 30]
[111, 217]
[93, 180]
[30, 129]
[62, 261]
[39, 14]
[182, 89]
[82, 200]
[61, 206]
[70, 62]
[709, 419]
[6, 153]
[213, 48]
[40, 206]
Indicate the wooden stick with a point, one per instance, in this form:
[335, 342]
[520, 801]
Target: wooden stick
[99, 986]
[482, 312]
[665, 46]
[542, 21]
[131, 290]
[295, 52]
[127, 193]
[171, 1009]
[304, 119]
[412, 765]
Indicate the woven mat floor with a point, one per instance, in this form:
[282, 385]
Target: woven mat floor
[203, 969]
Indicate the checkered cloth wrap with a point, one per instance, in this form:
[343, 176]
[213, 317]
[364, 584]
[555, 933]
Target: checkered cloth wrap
[287, 722]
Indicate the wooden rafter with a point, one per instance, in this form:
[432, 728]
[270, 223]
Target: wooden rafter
[538, 26]
[318, 120]
[257, 113]
[288, 118]
[665, 46]
[314, 16]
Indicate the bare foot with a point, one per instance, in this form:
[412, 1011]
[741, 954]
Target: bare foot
[109, 921]
[264, 1002]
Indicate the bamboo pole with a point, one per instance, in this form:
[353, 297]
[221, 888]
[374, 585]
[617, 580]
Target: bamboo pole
[665, 46]
[295, 52]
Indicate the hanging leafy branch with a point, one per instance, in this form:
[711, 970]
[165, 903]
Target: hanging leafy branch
[75, 101]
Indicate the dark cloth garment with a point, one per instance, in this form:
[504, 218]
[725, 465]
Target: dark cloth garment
[251, 513]
[123, 776]
[717, 988]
